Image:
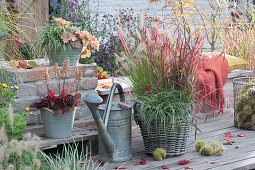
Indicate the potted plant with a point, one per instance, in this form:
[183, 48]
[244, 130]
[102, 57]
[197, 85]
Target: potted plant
[58, 111]
[162, 68]
[59, 41]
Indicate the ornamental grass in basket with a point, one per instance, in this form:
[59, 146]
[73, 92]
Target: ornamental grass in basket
[162, 67]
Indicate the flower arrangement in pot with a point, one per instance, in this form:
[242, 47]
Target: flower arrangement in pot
[59, 40]
[162, 68]
[58, 111]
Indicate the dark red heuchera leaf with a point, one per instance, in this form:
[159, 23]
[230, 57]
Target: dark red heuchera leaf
[188, 168]
[123, 107]
[228, 134]
[148, 89]
[59, 103]
[142, 162]
[164, 167]
[183, 162]
[116, 167]
[241, 135]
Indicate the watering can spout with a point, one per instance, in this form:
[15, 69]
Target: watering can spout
[93, 101]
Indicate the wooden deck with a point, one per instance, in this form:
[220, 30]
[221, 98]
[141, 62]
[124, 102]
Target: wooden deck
[213, 129]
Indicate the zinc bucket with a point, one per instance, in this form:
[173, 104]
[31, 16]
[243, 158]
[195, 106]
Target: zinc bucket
[73, 55]
[57, 126]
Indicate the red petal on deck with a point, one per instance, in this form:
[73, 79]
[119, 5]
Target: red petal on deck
[183, 162]
[228, 134]
[116, 167]
[164, 167]
[241, 135]
[142, 162]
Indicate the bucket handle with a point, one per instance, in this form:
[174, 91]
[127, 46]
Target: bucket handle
[109, 101]
[45, 108]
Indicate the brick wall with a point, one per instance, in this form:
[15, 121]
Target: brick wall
[32, 87]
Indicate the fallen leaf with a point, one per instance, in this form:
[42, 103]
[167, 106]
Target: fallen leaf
[164, 167]
[101, 163]
[183, 162]
[212, 162]
[228, 139]
[228, 134]
[188, 168]
[233, 141]
[228, 143]
[32, 63]
[123, 107]
[83, 134]
[241, 135]
[142, 162]
[120, 167]
[237, 146]
[106, 87]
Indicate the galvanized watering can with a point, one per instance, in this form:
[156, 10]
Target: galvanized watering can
[113, 121]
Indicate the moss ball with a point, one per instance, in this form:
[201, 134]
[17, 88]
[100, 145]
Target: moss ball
[159, 153]
[239, 106]
[220, 151]
[199, 144]
[215, 145]
[206, 150]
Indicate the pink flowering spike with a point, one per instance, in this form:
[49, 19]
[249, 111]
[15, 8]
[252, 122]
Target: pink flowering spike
[228, 134]
[164, 167]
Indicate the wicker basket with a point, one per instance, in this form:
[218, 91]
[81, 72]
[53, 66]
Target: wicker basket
[174, 141]
[244, 94]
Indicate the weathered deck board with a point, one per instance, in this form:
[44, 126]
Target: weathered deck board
[78, 134]
[213, 129]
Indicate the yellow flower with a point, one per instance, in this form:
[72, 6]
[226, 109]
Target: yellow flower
[17, 87]
[11, 87]
[191, 12]
[4, 85]
[191, 2]
[27, 109]
[30, 113]
[94, 64]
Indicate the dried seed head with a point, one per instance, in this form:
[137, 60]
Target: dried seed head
[10, 111]
[36, 138]
[2, 149]
[3, 136]
[37, 162]
[20, 148]
[56, 69]
[46, 74]
[27, 136]
[10, 167]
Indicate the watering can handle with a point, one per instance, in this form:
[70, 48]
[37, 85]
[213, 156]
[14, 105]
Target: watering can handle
[109, 101]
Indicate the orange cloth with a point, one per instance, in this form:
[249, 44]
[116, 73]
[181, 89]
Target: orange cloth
[212, 75]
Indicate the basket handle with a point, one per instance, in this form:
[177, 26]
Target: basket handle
[109, 101]
[45, 108]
